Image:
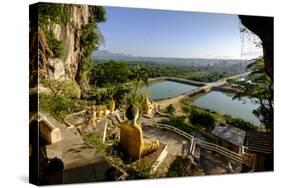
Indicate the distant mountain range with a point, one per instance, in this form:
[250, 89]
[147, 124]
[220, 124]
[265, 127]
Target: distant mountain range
[107, 55]
[104, 54]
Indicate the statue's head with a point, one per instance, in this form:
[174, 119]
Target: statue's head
[132, 113]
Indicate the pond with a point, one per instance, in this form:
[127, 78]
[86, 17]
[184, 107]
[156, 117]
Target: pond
[223, 103]
[215, 101]
[166, 89]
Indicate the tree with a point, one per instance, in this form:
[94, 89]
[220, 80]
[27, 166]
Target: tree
[140, 75]
[111, 75]
[259, 87]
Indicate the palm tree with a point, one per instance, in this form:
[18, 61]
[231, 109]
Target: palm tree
[140, 75]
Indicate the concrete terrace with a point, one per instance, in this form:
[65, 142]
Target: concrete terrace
[81, 162]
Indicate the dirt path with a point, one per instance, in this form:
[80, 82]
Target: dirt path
[174, 101]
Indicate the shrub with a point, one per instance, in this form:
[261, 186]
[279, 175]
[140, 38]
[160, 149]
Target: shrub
[178, 122]
[55, 45]
[66, 88]
[62, 99]
[202, 118]
[58, 106]
[95, 139]
[239, 123]
[170, 109]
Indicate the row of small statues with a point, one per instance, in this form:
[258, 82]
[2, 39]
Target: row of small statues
[100, 111]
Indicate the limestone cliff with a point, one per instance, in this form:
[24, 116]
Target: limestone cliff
[69, 64]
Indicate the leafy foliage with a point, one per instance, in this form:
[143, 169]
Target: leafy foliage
[59, 106]
[135, 100]
[95, 139]
[113, 73]
[178, 122]
[170, 109]
[55, 45]
[62, 98]
[206, 73]
[258, 87]
[50, 14]
[66, 88]
[139, 75]
[239, 123]
[202, 118]
[90, 39]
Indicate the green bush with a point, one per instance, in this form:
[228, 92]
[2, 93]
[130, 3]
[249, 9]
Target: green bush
[55, 45]
[66, 88]
[202, 118]
[178, 122]
[170, 109]
[95, 139]
[239, 123]
[50, 14]
[58, 106]
[62, 98]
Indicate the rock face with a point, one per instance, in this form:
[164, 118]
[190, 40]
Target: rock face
[67, 66]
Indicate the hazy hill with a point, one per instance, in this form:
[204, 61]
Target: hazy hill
[107, 55]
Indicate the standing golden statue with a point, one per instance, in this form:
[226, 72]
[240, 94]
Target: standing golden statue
[147, 105]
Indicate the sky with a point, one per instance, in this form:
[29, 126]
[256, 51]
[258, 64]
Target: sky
[162, 33]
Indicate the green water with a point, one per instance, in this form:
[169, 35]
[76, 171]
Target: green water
[216, 101]
[166, 89]
[223, 103]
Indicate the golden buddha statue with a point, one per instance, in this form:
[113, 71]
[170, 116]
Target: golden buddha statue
[93, 109]
[147, 105]
[104, 110]
[111, 105]
[94, 119]
[99, 112]
[131, 137]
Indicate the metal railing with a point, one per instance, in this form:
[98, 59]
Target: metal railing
[219, 149]
[194, 142]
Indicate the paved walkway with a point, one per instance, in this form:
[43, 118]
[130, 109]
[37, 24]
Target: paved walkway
[177, 145]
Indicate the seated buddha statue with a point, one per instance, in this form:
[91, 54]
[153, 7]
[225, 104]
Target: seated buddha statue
[147, 105]
[131, 137]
